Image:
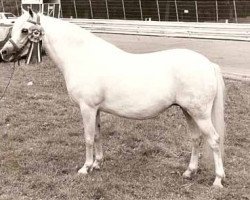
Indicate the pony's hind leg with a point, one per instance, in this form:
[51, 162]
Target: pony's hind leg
[98, 143]
[89, 122]
[213, 138]
[196, 141]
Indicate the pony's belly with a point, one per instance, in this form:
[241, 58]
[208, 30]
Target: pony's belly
[138, 97]
[134, 114]
[136, 109]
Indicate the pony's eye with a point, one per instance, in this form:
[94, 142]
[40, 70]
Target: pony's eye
[24, 30]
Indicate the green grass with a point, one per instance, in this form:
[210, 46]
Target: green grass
[42, 147]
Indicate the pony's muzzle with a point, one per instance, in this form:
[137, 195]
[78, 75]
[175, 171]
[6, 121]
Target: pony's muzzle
[7, 52]
[4, 52]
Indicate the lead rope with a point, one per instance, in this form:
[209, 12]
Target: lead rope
[8, 84]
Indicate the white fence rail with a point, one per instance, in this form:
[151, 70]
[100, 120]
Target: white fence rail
[224, 31]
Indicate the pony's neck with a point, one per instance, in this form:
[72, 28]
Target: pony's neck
[65, 42]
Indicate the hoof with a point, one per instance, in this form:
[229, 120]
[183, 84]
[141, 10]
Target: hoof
[96, 165]
[187, 174]
[217, 185]
[83, 170]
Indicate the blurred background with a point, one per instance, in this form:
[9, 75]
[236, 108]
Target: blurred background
[237, 11]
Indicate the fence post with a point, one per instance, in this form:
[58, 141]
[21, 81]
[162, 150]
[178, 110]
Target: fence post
[75, 8]
[2, 5]
[235, 12]
[91, 9]
[141, 9]
[107, 8]
[60, 14]
[17, 9]
[158, 10]
[42, 8]
[176, 10]
[196, 11]
[216, 10]
[123, 9]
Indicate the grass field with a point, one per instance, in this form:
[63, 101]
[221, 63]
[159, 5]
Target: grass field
[42, 147]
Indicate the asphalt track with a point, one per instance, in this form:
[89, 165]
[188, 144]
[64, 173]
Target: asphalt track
[232, 56]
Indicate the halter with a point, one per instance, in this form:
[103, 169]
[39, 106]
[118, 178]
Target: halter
[35, 34]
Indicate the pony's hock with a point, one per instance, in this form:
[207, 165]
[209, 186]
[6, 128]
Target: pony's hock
[135, 86]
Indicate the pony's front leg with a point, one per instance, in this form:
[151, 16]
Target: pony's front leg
[89, 122]
[98, 143]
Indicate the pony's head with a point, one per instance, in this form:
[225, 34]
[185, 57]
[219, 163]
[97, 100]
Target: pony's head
[25, 30]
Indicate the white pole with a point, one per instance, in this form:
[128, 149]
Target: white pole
[141, 9]
[75, 8]
[176, 10]
[217, 13]
[17, 9]
[91, 9]
[235, 12]
[2, 5]
[107, 8]
[54, 9]
[158, 10]
[42, 8]
[59, 10]
[123, 8]
[196, 11]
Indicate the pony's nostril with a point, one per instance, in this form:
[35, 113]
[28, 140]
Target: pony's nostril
[4, 52]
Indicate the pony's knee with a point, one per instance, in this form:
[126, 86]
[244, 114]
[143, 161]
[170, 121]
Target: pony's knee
[214, 142]
[89, 141]
[97, 138]
[196, 140]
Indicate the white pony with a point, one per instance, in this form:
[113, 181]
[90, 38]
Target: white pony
[101, 77]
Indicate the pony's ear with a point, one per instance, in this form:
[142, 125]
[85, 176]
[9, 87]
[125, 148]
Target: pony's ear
[31, 12]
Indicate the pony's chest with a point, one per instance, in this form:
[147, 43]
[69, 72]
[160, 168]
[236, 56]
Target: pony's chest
[83, 88]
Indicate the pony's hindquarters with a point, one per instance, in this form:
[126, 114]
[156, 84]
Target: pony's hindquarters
[203, 99]
[214, 127]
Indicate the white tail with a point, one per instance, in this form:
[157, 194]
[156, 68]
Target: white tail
[217, 115]
[218, 108]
